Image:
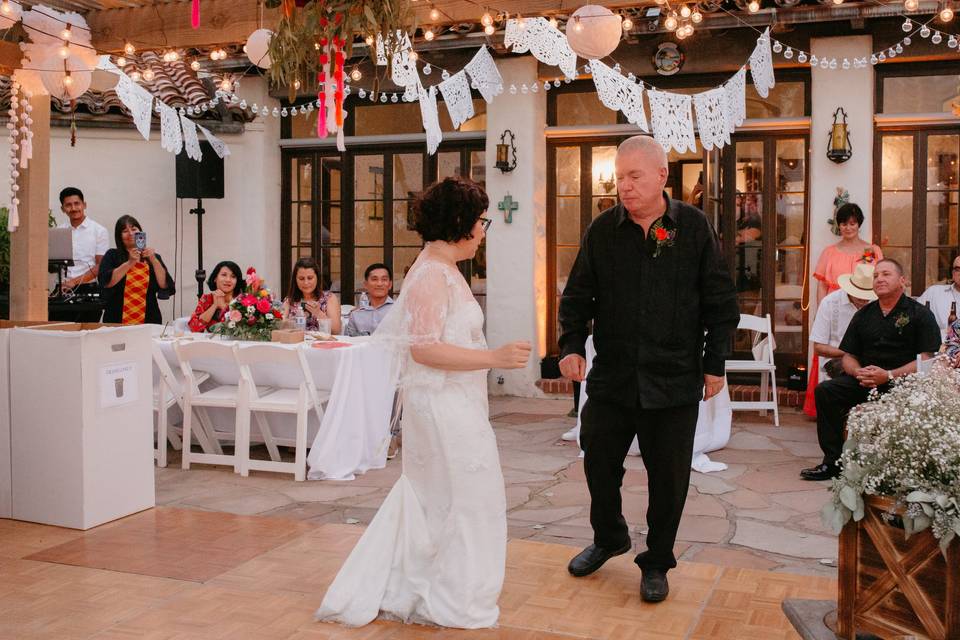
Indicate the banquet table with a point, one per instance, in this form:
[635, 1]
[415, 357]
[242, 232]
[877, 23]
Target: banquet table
[713, 424]
[355, 432]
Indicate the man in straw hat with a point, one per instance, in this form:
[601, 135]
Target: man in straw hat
[881, 344]
[834, 314]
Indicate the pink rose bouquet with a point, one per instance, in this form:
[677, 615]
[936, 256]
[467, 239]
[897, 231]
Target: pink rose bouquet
[254, 314]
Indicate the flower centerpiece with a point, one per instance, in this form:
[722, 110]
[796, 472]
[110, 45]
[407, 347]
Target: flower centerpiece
[253, 314]
[905, 445]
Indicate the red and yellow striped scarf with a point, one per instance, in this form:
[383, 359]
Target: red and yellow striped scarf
[135, 294]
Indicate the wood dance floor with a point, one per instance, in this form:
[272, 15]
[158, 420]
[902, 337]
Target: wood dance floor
[174, 574]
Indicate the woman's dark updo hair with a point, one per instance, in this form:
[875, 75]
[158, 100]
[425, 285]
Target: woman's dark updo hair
[234, 269]
[847, 211]
[449, 209]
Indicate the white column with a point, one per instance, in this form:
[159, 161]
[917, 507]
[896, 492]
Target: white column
[853, 90]
[516, 252]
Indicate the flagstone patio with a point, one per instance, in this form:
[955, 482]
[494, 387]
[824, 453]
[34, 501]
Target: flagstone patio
[757, 514]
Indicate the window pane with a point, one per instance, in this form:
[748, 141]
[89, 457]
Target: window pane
[407, 175]
[790, 226]
[330, 216]
[305, 125]
[362, 259]
[403, 233]
[568, 171]
[403, 258]
[330, 184]
[903, 255]
[897, 219]
[602, 170]
[306, 224]
[942, 218]
[942, 161]
[380, 119]
[790, 166]
[786, 99]
[448, 164]
[600, 205]
[897, 162]
[788, 320]
[749, 166]
[565, 258]
[330, 268]
[583, 108]
[368, 177]
[478, 170]
[920, 94]
[789, 274]
[568, 220]
[939, 266]
[368, 223]
[300, 178]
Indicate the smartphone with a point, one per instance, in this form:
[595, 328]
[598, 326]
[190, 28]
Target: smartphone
[140, 239]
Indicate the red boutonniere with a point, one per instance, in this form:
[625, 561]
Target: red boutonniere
[868, 256]
[663, 236]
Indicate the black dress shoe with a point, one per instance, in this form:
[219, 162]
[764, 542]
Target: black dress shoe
[653, 585]
[592, 558]
[821, 472]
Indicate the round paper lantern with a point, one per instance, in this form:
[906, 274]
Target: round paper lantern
[257, 45]
[594, 31]
[56, 82]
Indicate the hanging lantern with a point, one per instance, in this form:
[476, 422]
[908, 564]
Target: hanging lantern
[594, 31]
[257, 46]
[839, 149]
[504, 162]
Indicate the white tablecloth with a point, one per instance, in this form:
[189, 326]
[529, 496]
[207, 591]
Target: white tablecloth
[355, 431]
[713, 424]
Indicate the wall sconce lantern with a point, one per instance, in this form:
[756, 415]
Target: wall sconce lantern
[504, 150]
[839, 149]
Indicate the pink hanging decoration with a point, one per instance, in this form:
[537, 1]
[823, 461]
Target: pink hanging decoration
[338, 75]
[322, 91]
[195, 14]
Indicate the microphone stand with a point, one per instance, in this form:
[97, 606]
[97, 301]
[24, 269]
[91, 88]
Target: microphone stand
[199, 274]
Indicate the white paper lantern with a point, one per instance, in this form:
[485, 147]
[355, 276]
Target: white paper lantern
[257, 45]
[53, 81]
[597, 32]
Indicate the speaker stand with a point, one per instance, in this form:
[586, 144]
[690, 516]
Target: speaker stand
[199, 274]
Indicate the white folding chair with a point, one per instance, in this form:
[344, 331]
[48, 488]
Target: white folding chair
[763, 364]
[168, 388]
[220, 396]
[254, 400]
[346, 310]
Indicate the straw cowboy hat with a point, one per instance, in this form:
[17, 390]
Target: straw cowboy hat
[859, 284]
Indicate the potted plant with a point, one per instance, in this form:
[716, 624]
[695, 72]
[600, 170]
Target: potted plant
[896, 506]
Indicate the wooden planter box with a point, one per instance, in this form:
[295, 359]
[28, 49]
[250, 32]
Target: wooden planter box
[890, 586]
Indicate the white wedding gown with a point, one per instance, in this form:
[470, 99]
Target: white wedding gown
[435, 551]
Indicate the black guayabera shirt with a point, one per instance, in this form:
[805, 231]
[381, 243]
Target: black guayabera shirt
[893, 340]
[659, 321]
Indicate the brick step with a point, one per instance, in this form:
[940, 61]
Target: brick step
[738, 392]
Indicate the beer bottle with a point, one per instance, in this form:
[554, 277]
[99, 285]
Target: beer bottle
[953, 314]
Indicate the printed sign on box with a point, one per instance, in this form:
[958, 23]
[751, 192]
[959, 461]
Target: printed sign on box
[118, 384]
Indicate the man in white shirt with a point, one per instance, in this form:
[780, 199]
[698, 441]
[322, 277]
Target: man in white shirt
[941, 296]
[835, 311]
[90, 239]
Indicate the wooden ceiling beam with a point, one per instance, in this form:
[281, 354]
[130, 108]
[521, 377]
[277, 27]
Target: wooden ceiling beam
[168, 25]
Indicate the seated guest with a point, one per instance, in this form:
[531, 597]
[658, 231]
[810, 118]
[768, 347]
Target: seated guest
[226, 283]
[834, 315]
[90, 240]
[941, 297]
[377, 281]
[306, 298]
[133, 280]
[881, 344]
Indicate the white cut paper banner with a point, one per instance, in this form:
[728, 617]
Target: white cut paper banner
[456, 95]
[190, 141]
[170, 136]
[219, 146]
[671, 120]
[484, 74]
[139, 101]
[619, 93]
[711, 120]
[546, 43]
[761, 65]
[431, 119]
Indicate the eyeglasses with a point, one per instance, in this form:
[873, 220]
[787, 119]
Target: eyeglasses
[485, 223]
[955, 269]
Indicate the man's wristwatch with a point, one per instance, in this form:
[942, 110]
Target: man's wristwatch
[889, 376]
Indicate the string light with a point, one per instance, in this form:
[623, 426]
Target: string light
[696, 17]
[67, 79]
[577, 26]
[414, 56]
[946, 12]
[369, 41]
[149, 75]
[135, 75]
[521, 23]
[434, 14]
[684, 11]
[489, 29]
[754, 5]
[121, 62]
[553, 22]
[670, 23]
[627, 23]
[226, 85]
[911, 5]
[355, 75]
[195, 65]
[296, 85]
[66, 33]
[838, 2]
[64, 51]
[129, 49]
[486, 19]
[5, 7]
[428, 35]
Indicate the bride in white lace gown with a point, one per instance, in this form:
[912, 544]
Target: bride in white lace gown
[435, 551]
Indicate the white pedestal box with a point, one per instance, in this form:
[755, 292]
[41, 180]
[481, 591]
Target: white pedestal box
[6, 486]
[81, 425]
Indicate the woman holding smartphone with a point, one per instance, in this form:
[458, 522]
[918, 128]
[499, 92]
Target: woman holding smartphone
[307, 298]
[133, 277]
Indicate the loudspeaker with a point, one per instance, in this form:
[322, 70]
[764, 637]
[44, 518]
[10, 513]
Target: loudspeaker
[202, 179]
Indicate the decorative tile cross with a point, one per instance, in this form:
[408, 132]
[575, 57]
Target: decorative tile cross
[508, 206]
